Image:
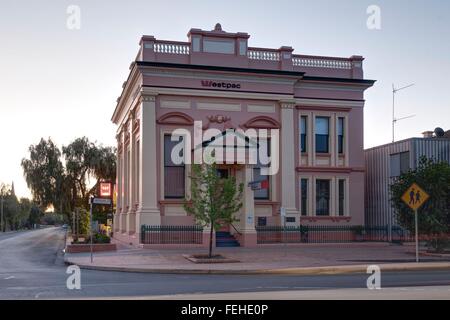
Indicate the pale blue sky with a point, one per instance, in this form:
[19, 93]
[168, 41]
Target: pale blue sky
[63, 83]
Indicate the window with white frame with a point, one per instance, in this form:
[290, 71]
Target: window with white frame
[303, 133]
[174, 174]
[322, 134]
[341, 197]
[138, 173]
[340, 134]
[304, 196]
[262, 194]
[323, 195]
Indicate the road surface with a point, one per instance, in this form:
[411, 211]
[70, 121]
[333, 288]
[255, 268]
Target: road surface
[31, 267]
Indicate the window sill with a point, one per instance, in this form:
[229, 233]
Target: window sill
[171, 201]
[323, 154]
[326, 218]
[266, 202]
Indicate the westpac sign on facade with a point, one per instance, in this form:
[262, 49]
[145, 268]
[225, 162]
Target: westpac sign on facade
[224, 85]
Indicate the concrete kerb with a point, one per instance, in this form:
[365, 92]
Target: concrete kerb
[326, 270]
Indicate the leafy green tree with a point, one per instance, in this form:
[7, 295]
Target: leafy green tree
[80, 156]
[35, 216]
[10, 207]
[23, 213]
[214, 200]
[52, 218]
[18, 214]
[104, 164]
[65, 187]
[44, 173]
[434, 215]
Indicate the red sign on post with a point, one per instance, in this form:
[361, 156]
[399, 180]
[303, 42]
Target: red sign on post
[105, 190]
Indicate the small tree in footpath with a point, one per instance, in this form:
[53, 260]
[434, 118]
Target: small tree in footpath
[214, 200]
[434, 216]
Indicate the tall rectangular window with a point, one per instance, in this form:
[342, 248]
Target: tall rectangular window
[341, 135]
[138, 169]
[119, 180]
[341, 197]
[128, 185]
[174, 178]
[303, 133]
[304, 196]
[322, 134]
[262, 194]
[322, 197]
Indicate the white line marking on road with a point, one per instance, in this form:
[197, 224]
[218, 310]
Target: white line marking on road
[9, 278]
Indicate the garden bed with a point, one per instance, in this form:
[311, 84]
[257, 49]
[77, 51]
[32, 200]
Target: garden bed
[85, 247]
[204, 258]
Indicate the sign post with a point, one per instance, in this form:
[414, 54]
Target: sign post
[90, 218]
[92, 201]
[415, 197]
[417, 234]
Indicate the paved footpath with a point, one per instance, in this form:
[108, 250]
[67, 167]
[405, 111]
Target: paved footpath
[279, 259]
[402, 293]
[32, 267]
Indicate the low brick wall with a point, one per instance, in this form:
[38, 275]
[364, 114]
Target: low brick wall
[97, 247]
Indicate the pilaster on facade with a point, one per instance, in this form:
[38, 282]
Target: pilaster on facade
[131, 175]
[247, 229]
[288, 166]
[148, 211]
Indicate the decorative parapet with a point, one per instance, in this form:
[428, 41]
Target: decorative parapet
[172, 47]
[220, 48]
[263, 54]
[321, 62]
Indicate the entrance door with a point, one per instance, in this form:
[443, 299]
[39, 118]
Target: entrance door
[224, 171]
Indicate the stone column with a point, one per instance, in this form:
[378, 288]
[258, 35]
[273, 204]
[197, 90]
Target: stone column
[131, 179]
[148, 212]
[125, 177]
[288, 166]
[121, 195]
[247, 238]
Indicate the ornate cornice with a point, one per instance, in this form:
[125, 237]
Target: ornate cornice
[148, 97]
[287, 104]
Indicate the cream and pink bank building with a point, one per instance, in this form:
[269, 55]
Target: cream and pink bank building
[315, 103]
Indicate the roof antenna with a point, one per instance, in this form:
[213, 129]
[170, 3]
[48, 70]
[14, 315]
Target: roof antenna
[394, 119]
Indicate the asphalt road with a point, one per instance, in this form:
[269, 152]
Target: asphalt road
[31, 267]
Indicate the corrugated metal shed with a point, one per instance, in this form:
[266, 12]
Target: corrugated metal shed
[378, 209]
[439, 149]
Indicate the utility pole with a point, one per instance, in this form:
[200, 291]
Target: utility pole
[394, 119]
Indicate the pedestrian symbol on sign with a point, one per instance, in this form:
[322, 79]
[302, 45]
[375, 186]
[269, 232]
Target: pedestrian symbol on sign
[415, 197]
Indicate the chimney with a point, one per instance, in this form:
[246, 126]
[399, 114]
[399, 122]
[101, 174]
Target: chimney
[427, 134]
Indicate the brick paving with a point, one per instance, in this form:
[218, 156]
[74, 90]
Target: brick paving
[261, 258]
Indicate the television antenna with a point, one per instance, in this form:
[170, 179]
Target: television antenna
[394, 119]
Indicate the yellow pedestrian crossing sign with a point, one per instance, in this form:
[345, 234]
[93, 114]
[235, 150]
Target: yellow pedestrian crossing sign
[415, 196]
